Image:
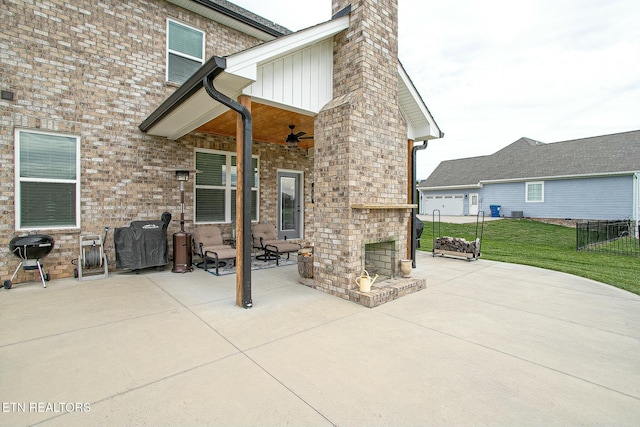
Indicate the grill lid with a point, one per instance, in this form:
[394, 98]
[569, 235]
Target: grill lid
[31, 246]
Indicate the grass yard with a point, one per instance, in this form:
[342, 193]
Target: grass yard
[542, 245]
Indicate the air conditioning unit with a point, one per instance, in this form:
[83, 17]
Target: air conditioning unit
[517, 214]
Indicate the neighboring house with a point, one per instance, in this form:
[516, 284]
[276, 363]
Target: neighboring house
[588, 178]
[101, 101]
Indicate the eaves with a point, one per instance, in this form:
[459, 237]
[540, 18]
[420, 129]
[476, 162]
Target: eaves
[451, 187]
[557, 177]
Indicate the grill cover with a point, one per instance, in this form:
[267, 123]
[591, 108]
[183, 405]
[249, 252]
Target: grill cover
[141, 245]
[419, 230]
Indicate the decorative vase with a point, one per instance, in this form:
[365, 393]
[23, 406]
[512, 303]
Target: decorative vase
[405, 267]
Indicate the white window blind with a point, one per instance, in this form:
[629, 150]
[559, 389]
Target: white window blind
[47, 169]
[185, 51]
[215, 187]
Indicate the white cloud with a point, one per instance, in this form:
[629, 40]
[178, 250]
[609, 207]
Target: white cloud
[494, 71]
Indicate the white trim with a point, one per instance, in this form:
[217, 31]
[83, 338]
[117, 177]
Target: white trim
[245, 64]
[526, 191]
[559, 177]
[223, 19]
[181, 54]
[421, 125]
[450, 187]
[17, 180]
[240, 73]
[481, 183]
[227, 186]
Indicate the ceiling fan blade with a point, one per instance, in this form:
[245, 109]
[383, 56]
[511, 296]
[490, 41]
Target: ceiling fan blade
[306, 137]
[299, 134]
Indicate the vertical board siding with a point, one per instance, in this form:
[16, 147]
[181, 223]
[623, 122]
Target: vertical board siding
[302, 79]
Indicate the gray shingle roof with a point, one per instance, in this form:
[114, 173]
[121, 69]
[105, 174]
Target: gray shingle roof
[526, 158]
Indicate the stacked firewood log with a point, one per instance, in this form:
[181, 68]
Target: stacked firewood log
[457, 244]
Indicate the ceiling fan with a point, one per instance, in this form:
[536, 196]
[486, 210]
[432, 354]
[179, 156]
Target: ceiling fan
[294, 138]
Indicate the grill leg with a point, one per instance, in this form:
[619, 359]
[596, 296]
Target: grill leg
[16, 272]
[41, 275]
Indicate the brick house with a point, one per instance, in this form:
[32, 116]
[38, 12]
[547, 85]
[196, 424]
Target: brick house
[111, 94]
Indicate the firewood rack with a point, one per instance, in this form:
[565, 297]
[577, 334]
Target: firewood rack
[463, 251]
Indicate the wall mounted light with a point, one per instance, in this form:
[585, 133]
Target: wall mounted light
[5, 94]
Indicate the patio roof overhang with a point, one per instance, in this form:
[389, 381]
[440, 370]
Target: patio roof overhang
[189, 108]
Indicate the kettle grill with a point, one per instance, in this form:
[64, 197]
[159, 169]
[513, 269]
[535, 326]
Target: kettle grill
[30, 249]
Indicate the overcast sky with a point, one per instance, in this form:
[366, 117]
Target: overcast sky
[493, 71]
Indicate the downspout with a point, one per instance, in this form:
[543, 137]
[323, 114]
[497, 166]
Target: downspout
[246, 174]
[414, 151]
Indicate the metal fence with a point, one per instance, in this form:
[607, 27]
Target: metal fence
[616, 237]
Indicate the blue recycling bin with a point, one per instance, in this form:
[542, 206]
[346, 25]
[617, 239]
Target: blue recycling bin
[495, 211]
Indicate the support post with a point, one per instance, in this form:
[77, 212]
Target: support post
[243, 186]
[243, 214]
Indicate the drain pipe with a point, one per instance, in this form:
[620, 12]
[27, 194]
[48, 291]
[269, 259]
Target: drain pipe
[414, 151]
[246, 174]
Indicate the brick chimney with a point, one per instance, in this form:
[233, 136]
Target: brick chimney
[360, 149]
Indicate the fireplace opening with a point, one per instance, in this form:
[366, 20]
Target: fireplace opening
[380, 257]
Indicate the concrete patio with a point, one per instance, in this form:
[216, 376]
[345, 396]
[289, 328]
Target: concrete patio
[485, 344]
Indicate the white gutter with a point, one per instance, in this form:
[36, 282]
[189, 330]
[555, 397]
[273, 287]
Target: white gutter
[450, 187]
[558, 177]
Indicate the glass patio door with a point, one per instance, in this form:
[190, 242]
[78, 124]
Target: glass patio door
[289, 205]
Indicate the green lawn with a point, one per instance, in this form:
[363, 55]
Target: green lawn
[542, 245]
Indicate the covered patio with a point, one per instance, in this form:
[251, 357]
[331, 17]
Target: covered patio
[346, 134]
[485, 344]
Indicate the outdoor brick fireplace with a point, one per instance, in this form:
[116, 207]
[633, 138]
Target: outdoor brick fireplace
[361, 160]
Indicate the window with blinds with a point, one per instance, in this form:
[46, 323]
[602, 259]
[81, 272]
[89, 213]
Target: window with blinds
[185, 51]
[215, 187]
[47, 177]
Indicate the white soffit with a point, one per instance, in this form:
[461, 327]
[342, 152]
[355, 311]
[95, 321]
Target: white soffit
[240, 72]
[420, 123]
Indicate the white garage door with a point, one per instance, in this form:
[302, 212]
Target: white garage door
[449, 204]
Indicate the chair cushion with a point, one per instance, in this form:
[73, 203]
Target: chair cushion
[267, 230]
[224, 252]
[208, 235]
[282, 245]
